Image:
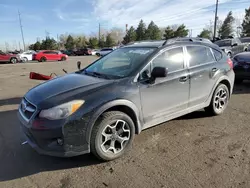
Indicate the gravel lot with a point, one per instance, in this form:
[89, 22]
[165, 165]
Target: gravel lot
[191, 151]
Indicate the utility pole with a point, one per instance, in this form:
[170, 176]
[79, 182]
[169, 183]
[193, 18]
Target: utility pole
[21, 28]
[215, 19]
[99, 33]
[19, 45]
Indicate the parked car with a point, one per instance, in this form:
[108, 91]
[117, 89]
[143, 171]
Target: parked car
[9, 58]
[101, 107]
[84, 51]
[27, 56]
[246, 41]
[94, 51]
[104, 51]
[241, 64]
[49, 55]
[231, 46]
[68, 52]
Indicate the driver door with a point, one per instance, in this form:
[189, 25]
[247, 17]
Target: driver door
[168, 95]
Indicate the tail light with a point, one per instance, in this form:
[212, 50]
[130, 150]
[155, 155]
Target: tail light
[230, 63]
[89, 51]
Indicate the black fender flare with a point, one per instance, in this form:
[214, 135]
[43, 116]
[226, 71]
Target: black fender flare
[106, 106]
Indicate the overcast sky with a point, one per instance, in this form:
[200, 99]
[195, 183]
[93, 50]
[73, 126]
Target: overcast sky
[83, 16]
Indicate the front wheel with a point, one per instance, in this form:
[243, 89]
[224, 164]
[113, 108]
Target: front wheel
[13, 60]
[219, 100]
[112, 135]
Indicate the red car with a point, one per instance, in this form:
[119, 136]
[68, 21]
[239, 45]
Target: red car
[9, 58]
[49, 55]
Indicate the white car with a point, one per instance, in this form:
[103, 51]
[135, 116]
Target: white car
[104, 51]
[27, 55]
[93, 52]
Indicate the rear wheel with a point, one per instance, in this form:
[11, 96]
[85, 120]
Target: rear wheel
[229, 54]
[219, 100]
[112, 135]
[25, 59]
[43, 59]
[63, 58]
[13, 60]
[98, 54]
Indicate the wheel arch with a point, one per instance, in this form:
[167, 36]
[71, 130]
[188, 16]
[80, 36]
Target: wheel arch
[122, 105]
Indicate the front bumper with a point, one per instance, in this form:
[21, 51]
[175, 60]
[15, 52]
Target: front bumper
[45, 140]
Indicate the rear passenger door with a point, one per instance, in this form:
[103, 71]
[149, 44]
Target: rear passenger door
[202, 68]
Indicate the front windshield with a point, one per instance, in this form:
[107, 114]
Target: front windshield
[222, 43]
[120, 63]
[245, 40]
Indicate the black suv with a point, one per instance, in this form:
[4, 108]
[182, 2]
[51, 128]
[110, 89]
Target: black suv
[100, 108]
[231, 46]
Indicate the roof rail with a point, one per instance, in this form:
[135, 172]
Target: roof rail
[185, 39]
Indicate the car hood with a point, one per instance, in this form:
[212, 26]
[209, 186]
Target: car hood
[64, 88]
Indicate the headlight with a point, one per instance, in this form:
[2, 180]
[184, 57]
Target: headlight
[62, 111]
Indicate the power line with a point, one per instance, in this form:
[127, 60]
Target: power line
[21, 28]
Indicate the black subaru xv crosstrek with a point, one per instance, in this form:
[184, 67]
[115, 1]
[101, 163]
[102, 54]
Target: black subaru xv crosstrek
[101, 107]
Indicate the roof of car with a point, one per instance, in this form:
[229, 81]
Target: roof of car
[173, 41]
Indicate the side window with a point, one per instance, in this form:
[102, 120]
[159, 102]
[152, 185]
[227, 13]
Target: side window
[172, 59]
[46, 52]
[217, 55]
[198, 55]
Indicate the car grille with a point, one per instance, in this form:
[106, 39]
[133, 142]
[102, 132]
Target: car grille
[27, 109]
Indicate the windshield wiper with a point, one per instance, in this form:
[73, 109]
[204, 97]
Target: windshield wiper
[97, 74]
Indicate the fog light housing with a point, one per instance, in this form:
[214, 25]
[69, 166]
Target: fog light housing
[60, 141]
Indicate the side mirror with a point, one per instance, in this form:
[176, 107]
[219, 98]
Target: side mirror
[235, 44]
[159, 72]
[79, 65]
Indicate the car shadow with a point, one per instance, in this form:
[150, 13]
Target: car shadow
[194, 115]
[242, 88]
[10, 101]
[17, 160]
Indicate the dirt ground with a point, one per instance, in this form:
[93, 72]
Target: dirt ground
[191, 151]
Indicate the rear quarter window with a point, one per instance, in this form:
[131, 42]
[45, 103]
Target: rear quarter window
[217, 54]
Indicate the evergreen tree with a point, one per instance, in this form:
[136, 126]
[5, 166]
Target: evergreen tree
[130, 36]
[227, 26]
[141, 31]
[181, 31]
[109, 41]
[93, 42]
[205, 33]
[169, 33]
[153, 32]
[69, 45]
[246, 24]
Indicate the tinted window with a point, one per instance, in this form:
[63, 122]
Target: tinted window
[222, 43]
[245, 40]
[47, 52]
[217, 55]
[172, 59]
[199, 55]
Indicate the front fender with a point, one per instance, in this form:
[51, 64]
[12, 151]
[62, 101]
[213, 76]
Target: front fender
[109, 105]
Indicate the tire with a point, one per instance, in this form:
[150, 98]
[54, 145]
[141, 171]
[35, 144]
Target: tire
[13, 60]
[216, 101]
[63, 58]
[115, 120]
[25, 59]
[229, 54]
[43, 59]
[98, 54]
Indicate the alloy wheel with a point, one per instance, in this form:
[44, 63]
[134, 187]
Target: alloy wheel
[220, 99]
[115, 137]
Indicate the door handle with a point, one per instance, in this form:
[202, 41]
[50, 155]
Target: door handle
[183, 79]
[214, 69]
